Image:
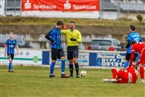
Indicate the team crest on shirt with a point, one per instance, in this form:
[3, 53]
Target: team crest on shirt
[11, 46]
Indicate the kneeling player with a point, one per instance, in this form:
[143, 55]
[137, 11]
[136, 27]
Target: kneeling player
[140, 48]
[130, 75]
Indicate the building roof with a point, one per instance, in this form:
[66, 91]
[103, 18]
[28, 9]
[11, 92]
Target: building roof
[132, 7]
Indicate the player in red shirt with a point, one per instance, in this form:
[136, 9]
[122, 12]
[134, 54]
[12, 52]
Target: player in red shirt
[140, 48]
[129, 75]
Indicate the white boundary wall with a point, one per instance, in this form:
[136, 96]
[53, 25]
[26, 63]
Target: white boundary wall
[25, 57]
[2, 7]
[59, 14]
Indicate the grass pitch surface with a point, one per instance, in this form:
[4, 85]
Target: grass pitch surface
[35, 82]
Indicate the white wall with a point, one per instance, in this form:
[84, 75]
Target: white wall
[109, 15]
[25, 56]
[60, 14]
[13, 13]
[2, 5]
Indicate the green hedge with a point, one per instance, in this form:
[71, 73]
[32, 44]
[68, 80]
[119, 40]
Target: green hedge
[17, 20]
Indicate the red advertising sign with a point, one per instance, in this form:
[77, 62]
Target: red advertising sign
[61, 5]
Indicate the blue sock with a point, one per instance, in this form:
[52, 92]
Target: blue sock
[52, 68]
[126, 64]
[62, 66]
[10, 66]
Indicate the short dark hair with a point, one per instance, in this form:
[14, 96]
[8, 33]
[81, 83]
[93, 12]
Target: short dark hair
[59, 23]
[132, 27]
[133, 42]
[72, 22]
[12, 32]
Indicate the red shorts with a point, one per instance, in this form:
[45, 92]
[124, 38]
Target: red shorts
[142, 58]
[122, 77]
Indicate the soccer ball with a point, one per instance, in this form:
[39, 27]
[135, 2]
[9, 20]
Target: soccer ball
[83, 73]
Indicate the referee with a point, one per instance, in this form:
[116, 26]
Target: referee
[73, 38]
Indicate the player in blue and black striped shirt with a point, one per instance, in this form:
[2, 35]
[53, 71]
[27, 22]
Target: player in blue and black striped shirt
[54, 36]
[10, 46]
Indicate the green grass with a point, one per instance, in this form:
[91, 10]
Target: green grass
[34, 82]
[17, 20]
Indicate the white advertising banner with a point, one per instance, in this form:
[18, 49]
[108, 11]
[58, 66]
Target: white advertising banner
[83, 59]
[2, 7]
[25, 56]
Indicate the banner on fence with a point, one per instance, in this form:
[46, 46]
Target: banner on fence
[107, 59]
[25, 56]
[61, 5]
[86, 58]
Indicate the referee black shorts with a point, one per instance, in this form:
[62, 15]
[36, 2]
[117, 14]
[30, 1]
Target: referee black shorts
[72, 52]
[10, 56]
[56, 53]
[128, 55]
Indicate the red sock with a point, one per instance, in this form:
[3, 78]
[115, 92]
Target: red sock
[114, 73]
[142, 72]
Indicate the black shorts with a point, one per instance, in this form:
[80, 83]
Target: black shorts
[10, 56]
[56, 53]
[72, 52]
[128, 55]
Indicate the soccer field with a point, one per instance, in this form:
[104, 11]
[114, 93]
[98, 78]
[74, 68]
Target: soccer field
[31, 81]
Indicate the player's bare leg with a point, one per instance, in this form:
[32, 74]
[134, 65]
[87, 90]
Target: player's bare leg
[109, 80]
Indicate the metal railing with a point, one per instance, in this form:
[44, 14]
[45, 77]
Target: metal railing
[13, 7]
